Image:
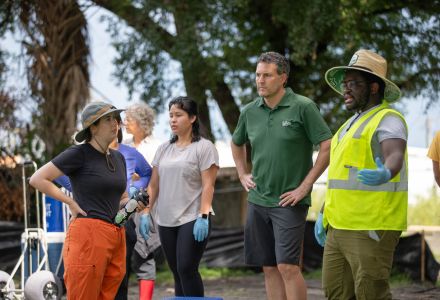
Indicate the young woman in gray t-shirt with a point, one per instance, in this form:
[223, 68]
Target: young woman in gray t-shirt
[182, 188]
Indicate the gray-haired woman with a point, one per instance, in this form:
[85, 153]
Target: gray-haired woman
[139, 122]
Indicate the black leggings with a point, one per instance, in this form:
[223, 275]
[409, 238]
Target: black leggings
[183, 254]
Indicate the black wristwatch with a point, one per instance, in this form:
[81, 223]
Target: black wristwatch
[204, 216]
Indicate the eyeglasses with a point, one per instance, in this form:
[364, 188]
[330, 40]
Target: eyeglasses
[350, 84]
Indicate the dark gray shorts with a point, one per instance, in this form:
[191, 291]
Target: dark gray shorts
[274, 235]
[144, 268]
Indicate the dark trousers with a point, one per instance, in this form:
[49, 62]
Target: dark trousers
[183, 254]
[130, 235]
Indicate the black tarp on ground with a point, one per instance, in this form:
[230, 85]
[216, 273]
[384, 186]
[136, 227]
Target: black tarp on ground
[225, 249]
[10, 248]
[407, 258]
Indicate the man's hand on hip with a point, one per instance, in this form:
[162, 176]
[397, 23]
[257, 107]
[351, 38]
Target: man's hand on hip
[294, 196]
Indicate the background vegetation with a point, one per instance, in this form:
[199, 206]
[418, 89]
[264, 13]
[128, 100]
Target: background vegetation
[214, 44]
[424, 211]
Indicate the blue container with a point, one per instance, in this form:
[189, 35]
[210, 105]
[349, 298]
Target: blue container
[56, 218]
[55, 242]
[54, 215]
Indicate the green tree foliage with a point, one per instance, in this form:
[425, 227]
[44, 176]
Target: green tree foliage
[55, 47]
[217, 44]
[317, 35]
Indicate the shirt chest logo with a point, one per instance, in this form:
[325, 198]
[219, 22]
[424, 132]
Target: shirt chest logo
[286, 123]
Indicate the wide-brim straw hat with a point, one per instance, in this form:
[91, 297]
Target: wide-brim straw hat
[92, 113]
[365, 61]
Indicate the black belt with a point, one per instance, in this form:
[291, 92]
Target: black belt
[99, 218]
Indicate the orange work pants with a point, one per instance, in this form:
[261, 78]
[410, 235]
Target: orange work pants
[94, 259]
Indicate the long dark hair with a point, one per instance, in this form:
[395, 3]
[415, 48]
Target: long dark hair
[190, 107]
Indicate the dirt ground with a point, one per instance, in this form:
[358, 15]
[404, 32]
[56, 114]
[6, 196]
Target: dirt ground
[252, 287]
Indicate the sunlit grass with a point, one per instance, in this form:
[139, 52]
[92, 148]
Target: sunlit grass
[315, 274]
[216, 273]
[399, 279]
[164, 275]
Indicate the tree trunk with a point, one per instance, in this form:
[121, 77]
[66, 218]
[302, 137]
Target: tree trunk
[58, 70]
[198, 75]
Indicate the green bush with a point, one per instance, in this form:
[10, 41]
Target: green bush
[425, 211]
[165, 276]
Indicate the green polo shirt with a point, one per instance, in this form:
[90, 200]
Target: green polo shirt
[282, 142]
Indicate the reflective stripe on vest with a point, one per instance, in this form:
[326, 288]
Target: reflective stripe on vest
[354, 184]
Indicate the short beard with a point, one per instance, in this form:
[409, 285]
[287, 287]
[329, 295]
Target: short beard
[361, 105]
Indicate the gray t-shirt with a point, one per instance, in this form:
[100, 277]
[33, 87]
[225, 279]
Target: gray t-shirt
[390, 127]
[180, 180]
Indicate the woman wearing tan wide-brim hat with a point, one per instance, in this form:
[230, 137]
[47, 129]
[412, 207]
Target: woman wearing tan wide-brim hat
[94, 248]
[366, 201]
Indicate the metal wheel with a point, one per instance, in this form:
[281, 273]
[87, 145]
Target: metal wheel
[3, 279]
[43, 285]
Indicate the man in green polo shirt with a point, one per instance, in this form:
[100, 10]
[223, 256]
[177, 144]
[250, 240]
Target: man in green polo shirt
[282, 128]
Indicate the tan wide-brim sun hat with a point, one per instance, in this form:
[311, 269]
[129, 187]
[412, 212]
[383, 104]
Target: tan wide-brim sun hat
[92, 113]
[365, 61]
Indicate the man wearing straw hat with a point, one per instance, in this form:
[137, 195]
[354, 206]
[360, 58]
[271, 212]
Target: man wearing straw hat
[367, 194]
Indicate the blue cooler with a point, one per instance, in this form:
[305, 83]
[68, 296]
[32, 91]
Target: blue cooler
[54, 215]
[56, 222]
[55, 242]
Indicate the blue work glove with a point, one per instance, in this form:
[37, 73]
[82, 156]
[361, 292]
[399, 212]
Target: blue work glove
[320, 235]
[200, 230]
[144, 226]
[375, 177]
[132, 191]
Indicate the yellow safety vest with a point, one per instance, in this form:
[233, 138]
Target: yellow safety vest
[352, 205]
